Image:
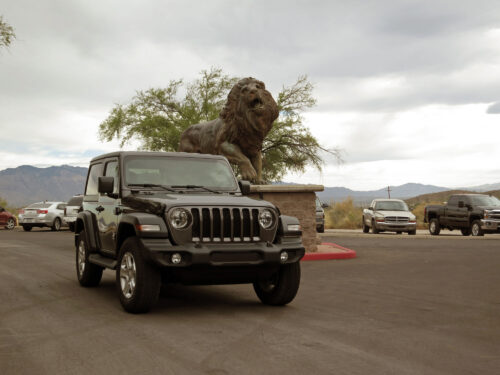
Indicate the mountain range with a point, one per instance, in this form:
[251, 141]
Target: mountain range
[27, 184]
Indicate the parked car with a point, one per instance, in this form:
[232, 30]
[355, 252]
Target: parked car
[42, 214]
[320, 216]
[73, 206]
[7, 219]
[389, 215]
[474, 214]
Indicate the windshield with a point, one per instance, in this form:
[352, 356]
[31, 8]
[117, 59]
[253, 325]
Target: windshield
[391, 206]
[484, 200]
[176, 171]
[75, 201]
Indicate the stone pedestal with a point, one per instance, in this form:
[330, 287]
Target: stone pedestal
[294, 200]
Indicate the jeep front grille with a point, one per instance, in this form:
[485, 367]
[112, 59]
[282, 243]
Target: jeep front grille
[214, 224]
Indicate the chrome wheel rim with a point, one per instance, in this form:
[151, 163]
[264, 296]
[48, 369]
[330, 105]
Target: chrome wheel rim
[433, 227]
[11, 224]
[57, 224]
[128, 275]
[81, 258]
[475, 230]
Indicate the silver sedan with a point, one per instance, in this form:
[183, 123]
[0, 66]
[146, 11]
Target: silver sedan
[42, 214]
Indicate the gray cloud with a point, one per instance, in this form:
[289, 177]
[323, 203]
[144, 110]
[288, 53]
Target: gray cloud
[494, 108]
[388, 56]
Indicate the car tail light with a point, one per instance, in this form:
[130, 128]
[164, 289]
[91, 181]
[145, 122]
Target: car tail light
[42, 211]
[21, 212]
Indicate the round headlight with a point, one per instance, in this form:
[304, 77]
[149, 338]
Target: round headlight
[266, 219]
[180, 218]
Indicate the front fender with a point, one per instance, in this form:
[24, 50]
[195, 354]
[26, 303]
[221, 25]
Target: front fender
[136, 219]
[87, 221]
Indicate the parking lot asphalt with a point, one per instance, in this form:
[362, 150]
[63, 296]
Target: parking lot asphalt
[405, 305]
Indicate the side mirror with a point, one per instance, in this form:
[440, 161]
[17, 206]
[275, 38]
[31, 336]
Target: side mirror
[324, 205]
[244, 187]
[461, 204]
[370, 208]
[105, 185]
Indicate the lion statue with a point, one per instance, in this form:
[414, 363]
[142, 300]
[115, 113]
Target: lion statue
[238, 133]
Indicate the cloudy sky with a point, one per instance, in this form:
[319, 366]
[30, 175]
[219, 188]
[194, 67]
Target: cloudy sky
[409, 90]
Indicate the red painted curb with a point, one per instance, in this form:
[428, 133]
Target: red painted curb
[346, 254]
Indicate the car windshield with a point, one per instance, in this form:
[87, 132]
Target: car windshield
[75, 201]
[391, 206]
[178, 171]
[40, 205]
[485, 200]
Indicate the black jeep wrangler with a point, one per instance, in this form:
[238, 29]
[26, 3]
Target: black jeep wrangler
[181, 218]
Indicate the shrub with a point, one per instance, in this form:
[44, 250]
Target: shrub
[343, 215]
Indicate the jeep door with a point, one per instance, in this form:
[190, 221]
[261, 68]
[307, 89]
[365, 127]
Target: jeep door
[108, 216]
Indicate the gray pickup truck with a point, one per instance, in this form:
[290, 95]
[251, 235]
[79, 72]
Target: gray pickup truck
[391, 215]
[157, 217]
[474, 214]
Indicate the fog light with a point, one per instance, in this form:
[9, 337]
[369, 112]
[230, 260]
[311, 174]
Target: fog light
[176, 258]
[283, 256]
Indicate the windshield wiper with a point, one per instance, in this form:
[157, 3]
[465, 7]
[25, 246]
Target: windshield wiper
[154, 185]
[195, 187]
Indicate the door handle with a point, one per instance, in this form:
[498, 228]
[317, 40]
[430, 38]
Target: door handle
[99, 208]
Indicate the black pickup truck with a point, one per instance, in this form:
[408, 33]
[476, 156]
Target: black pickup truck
[158, 217]
[474, 214]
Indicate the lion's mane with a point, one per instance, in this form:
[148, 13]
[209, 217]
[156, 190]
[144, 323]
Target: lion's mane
[243, 125]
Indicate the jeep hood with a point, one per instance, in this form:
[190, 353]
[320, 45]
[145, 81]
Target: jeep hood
[200, 200]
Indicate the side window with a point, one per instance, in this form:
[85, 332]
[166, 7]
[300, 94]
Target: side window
[61, 206]
[453, 201]
[112, 171]
[94, 174]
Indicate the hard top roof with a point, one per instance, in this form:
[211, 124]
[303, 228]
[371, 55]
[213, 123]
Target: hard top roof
[121, 154]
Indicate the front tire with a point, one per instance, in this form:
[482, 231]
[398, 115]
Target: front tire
[56, 225]
[465, 231]
[434, 227]
[374, 228]
[412, 232]
[281, 288]
[366, 228]
[27, 228]
[71, 227]
[475, 228]
[11, 224]
[138, 282]
[88, 274]
[321, 229]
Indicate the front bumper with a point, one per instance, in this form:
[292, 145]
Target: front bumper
[160, 251]
[490, 225]
[397, 227]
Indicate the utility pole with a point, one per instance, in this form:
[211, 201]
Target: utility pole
[389, 191]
